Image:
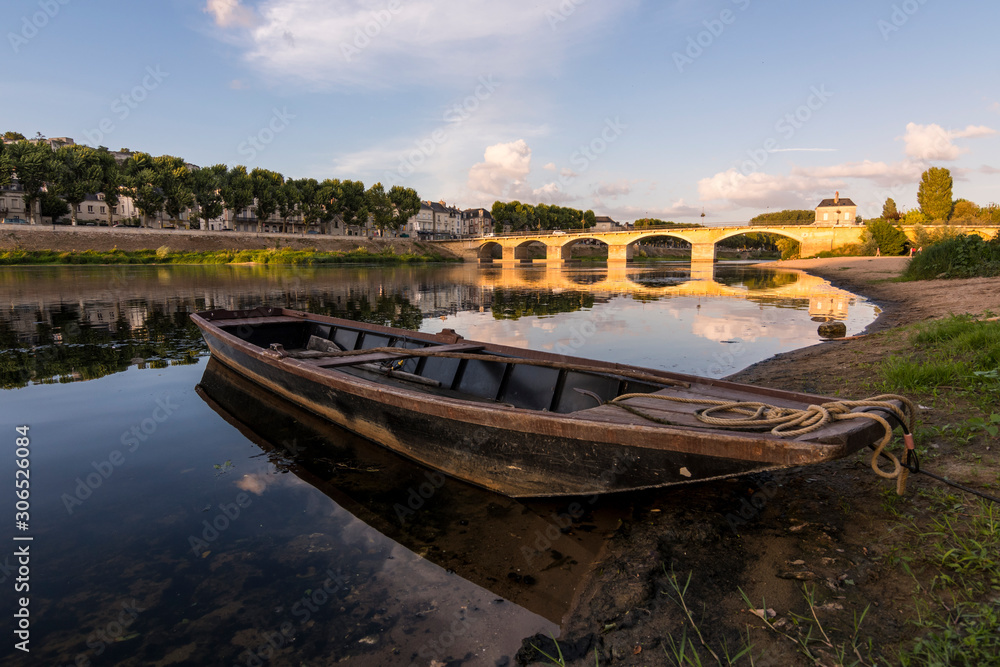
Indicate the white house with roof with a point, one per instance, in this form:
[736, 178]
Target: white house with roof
[836, 211]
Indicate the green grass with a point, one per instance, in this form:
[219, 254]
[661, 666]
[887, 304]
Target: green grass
[164, 255]
[969, 635]
[959, 616]
[959, 353]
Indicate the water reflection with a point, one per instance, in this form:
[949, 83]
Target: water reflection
[78, 323]
[530, 553]
[319, 499]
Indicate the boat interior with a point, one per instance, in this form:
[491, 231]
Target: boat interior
[514, 383]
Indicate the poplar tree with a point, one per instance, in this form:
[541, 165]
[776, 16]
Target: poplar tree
[934, 194]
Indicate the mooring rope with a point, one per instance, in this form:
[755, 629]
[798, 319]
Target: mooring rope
[792, 422]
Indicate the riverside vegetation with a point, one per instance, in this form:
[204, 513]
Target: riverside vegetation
[164, 255]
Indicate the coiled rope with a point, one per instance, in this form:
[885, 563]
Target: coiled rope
[792, 422]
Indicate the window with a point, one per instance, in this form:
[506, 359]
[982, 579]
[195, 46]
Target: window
[77, 208]
[847, 216]
[90, 209]
[102, 209]
[114, 209]
[826, 216]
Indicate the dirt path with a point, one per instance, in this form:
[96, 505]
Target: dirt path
[832, 529]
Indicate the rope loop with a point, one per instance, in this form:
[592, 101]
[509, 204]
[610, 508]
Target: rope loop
[793, 422]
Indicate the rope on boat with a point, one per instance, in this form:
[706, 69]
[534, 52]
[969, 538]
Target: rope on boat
[792, 422]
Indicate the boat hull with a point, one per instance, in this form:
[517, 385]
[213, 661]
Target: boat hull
[515, 452]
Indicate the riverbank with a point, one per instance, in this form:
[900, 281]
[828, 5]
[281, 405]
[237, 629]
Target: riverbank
[852, 573]
[130, 240]
[165, 255]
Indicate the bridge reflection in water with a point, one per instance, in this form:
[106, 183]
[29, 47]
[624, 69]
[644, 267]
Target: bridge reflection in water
[825, 300]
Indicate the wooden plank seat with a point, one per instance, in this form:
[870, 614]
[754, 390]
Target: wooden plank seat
[328, 355]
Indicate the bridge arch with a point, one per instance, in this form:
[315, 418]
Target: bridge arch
[488, 251]
[783, 232]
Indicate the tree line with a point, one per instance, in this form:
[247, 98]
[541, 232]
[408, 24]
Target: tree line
[61, 179]
[524, 217]
[936, 206]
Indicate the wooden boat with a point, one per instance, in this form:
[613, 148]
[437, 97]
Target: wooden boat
[519, 422]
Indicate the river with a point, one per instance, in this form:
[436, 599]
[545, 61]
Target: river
[179, 516]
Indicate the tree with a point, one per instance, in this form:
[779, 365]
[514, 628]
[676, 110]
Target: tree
[883, 236]
[380, 207]
[32, 165]
[53, 206]
[589, 219]
[266, 186]
[406, 202]
[965, 211]
[289, 199]
[76, 173]
[6, 167]
[13, 136]
[237, 191]
[205, 185]
[785, 217]
[312, 205]
[175, 183]
[643, 223]
[111, 180]
[142, 184]
[349, 201]
[934, 193]
[889, 211]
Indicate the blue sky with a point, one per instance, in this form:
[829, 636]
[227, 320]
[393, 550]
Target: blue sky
[630, 108]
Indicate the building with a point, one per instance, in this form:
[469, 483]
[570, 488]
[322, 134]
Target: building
[603, 223]
[12, 203]
[436, 220]
[477, 221]
[836, 211]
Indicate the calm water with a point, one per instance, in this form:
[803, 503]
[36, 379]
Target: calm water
[219, 525]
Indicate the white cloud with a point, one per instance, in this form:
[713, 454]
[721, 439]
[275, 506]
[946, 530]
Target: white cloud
[880, 173]
[803, 150]
[365, 43]
[933, 142]
[551, 166]
[613, 190]
[803, 185]
[550, 193]
[230, 13]
[760, 189]
[504, 170]
[677, 209]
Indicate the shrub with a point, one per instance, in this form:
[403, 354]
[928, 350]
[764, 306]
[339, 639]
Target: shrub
[883, 236]
[964, 256]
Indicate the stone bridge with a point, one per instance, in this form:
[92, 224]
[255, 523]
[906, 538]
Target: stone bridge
[814, 239]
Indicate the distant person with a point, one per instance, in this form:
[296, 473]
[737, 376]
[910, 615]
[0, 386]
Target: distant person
[878, 252]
